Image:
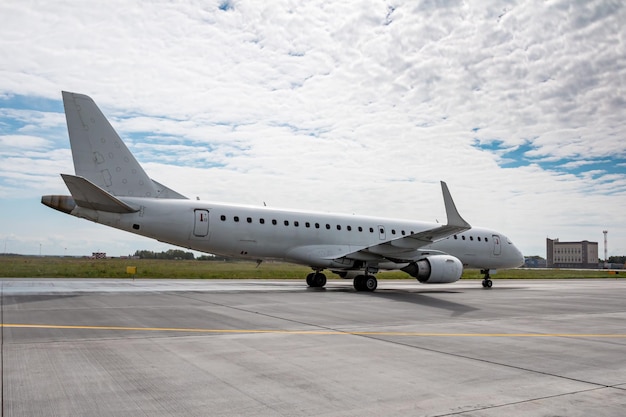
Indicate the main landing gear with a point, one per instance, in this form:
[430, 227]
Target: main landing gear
[365, 283]
[487, 283]
[316, 279]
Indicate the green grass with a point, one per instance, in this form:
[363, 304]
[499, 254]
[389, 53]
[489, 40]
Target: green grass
[61, 267]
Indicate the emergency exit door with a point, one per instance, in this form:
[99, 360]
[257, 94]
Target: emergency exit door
[201, 223]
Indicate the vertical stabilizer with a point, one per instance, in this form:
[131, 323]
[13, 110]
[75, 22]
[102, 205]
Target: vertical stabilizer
[99, 154]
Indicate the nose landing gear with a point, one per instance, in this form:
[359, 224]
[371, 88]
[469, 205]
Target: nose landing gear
[487, 283]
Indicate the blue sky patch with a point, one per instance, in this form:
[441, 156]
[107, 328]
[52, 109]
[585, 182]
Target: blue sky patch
[21, 102]
[517, 156]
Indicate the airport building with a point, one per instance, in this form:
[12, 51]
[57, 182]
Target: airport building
[571, 254]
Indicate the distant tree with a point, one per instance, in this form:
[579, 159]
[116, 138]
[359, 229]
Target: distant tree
[617, 259]
[169, 254]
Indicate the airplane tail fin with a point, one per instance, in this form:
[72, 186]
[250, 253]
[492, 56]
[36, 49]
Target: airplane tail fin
[101, 157]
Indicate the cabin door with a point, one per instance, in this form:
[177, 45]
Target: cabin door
[497, 245]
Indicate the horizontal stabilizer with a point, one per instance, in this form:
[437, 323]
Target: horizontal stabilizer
[88, 195]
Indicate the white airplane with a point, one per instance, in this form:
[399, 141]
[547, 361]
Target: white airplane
[112, 189]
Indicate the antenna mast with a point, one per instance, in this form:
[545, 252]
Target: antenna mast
[606, 258]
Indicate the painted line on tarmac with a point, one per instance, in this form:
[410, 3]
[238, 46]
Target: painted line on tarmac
[305, 332]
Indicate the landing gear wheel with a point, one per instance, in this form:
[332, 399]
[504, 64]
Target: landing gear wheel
[358, 282]
[316, 280]
[370, 283]
[319, 279]
[365, 283]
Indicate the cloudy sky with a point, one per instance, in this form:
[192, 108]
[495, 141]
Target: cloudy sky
[353, 106]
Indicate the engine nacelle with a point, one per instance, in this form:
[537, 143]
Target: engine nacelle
[435, 269]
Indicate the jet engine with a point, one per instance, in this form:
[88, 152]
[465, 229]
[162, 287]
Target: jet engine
[435, 269]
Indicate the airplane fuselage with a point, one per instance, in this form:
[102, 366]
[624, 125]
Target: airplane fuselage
[309, 238]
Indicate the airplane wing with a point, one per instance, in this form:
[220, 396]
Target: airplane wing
[406, 248]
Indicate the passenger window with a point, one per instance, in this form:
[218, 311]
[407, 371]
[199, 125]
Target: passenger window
[296, 223]
[262, 221]
[478, 238]
[274, 222]
[403, 233]
[286, 222]
[327, 226]
[338, 227]
[371, 230]
[222, 217]
[236, 218]
[463, 237]
[307, 224]
[472, 238]
[455, 237]
[317, 225]
[349, 228]
[393, 231]
[486, 240]
[360, 229]
[249, 219]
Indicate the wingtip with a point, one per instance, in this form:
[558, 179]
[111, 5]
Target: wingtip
[454, 218]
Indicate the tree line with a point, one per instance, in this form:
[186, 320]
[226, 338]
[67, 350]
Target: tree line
[178, 254]
[169, 254]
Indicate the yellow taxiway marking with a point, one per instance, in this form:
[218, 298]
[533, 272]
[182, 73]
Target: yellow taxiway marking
[306, 332]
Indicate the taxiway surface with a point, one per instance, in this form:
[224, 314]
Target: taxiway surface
[277, 348]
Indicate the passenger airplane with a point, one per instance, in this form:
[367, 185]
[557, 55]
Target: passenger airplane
[112, 189]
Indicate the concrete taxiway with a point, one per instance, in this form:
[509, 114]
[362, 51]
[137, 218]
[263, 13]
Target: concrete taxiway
[278, 348]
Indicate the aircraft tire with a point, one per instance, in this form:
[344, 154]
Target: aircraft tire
[319, 280]
[370, 283]
[358, 282]
[487, 283]
[309, 280]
